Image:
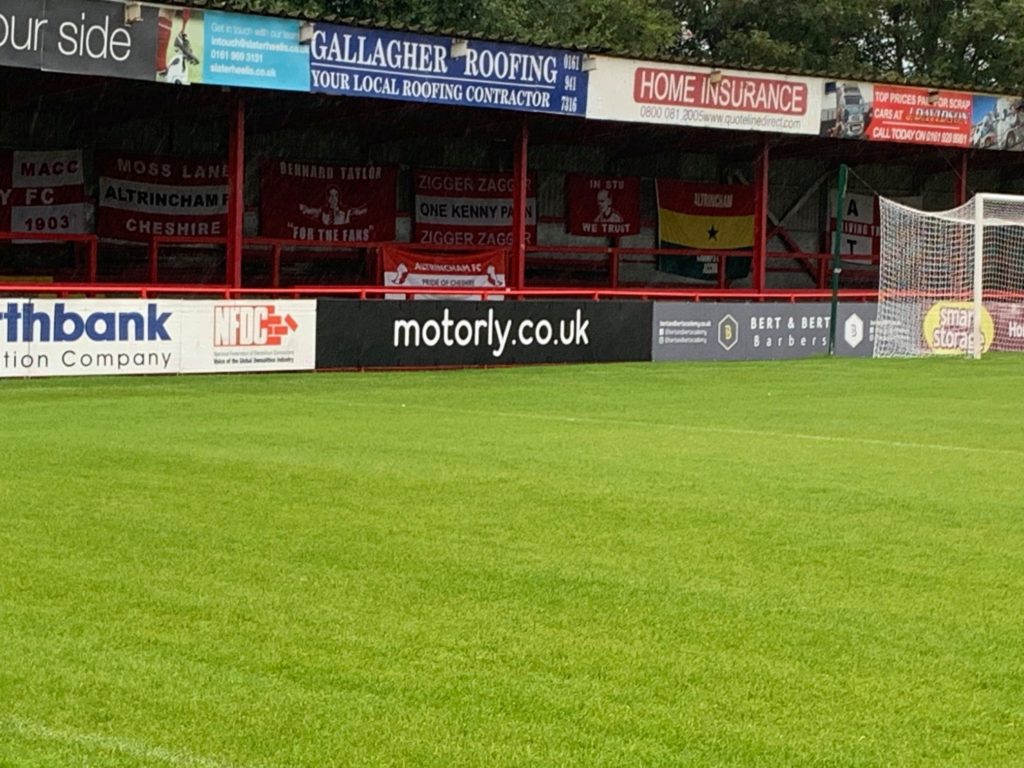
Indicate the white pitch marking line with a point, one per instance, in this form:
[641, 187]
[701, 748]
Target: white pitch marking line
[771, 434]
[708, 429]
[180, 758]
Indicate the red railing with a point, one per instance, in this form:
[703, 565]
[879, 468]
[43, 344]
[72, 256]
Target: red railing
[609, 262]
[376, 291]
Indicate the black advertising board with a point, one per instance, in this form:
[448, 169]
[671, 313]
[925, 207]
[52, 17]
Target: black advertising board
[394, 334]
[82, 37]
[763, 331]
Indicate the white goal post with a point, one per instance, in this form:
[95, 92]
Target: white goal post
[951, 282]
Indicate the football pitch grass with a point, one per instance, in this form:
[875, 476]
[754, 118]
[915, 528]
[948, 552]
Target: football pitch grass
[811, 563]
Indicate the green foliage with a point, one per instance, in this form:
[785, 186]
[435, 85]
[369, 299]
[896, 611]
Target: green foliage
[970, 42]
[642, 27]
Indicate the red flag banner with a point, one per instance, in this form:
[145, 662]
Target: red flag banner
[328, 203]
[409, 268]
[469, 208]
[175, 196]
[43, 192]
[602, 206]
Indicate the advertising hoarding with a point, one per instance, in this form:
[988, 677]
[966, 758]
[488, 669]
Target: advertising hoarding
[102, 337]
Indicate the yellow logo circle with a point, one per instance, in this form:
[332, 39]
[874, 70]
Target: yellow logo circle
[949, 328]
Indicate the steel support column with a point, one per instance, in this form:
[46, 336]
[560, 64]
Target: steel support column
[236, 186]
[759, 267]
[517, 267]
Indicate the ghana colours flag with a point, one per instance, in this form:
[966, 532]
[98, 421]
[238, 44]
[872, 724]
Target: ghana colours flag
[708, 217]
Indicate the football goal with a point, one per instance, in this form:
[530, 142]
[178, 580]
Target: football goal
[951, 282]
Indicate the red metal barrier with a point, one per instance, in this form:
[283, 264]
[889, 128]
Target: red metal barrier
[374, 291]
[610, 261]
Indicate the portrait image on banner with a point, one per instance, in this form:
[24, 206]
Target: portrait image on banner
[705, 217]
[44, 191]
[142, 196]
[470, 208]
[602, 206]
[328, 203]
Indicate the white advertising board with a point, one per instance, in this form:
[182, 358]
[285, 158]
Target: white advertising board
[673, 94]
[94, 337]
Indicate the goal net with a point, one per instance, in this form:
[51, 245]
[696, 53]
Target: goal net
[951, 282]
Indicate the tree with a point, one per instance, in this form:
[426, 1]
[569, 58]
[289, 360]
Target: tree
[978, 43]
[639, 27]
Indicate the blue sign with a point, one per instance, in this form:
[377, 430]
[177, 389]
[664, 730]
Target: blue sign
[441, 70]
[254, 52]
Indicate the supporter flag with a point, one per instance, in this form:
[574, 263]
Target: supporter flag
[707, 217]
[328, 203]
[602, 206]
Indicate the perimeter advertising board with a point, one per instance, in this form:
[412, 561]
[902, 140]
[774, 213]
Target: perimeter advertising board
[643, 92]
[947, 328]
[737, 331]
[393, 334]
[90, 337]
[381, 64]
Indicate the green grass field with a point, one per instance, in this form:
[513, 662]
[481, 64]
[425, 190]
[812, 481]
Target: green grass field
[813, 563]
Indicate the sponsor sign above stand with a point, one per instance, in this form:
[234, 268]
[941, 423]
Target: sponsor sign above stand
[230, 49]
[896, 113]
[997, 122]
[394, 334]
[441, 70]
[737, 331]
[89, 337]
[43, 192]
[82, 37]
[255, 52]
[671, 94]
